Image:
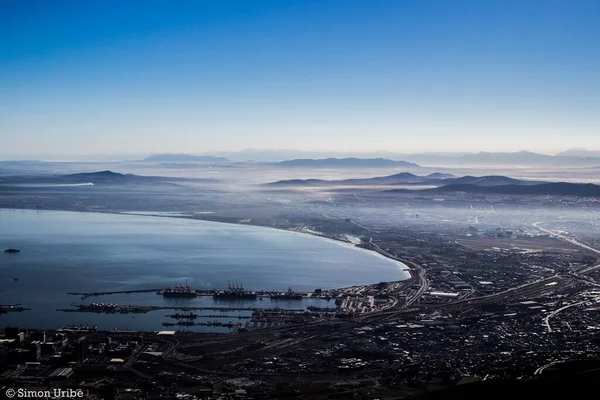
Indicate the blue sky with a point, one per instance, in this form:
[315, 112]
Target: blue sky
[81, 77]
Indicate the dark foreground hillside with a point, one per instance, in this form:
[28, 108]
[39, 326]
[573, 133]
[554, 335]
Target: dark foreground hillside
[571, 381]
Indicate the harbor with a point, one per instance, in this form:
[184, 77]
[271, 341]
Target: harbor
[186, 316]
[234, 291]
[234, 309]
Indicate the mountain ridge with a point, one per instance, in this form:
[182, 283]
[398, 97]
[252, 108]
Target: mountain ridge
[169, 157]
[407, 178]
[348, 162]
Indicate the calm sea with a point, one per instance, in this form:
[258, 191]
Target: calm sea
[84, 252]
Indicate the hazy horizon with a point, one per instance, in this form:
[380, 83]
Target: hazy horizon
[266, 155]
[198, 77]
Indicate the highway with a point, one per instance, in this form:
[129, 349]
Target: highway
[553, 313]
[419, 276]
[541, 369]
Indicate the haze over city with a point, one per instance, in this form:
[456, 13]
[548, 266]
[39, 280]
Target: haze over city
[405, 76]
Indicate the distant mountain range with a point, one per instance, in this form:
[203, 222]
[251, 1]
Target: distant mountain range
[491, 184]
[579, 152]
[578, 157]
[521, 158]
[178, 158]
[96, 178]
[574, 157]
[351, 162]
[406, 178]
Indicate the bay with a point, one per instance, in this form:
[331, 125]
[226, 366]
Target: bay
[84, 252]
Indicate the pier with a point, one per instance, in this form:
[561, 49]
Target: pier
[184, 291]
[196, 316]
[85, 295]
[207, 323]
[126, 309]
[6, 308]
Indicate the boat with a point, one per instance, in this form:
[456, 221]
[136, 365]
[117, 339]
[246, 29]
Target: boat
[289, 295]
[234, 292]
[80, 328]
[183, 316]
[181, 291]
[6, 308]
[11, 250]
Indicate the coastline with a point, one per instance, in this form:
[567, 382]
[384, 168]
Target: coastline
[405, 266]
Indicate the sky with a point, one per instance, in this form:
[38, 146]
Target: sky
[88, 77]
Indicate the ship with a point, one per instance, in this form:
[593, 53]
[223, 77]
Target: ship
[6, 308]
[80, 328]
[184, 291]
[234, 292]
[11, 250]
[289, 295]
[183, 316]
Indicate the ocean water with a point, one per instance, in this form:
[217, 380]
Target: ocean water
[84, 252]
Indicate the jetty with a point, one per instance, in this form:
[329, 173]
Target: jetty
[232, 293]
[6, 308]
[127, 308]
[85, 295]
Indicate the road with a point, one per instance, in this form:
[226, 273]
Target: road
[553, 313]
[541, 369]
[419, 276]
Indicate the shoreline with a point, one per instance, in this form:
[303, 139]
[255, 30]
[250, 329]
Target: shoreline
[405, 265]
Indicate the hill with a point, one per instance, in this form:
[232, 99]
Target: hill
[406, 178]
[570, 379]
[183, 158]
[95, 178]
[490, 180]
[439, 175]
[400, 178]
[579, 152]
[344, 163]
[97, 175]
[300, 182]
[543, 189]
[576, 158]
